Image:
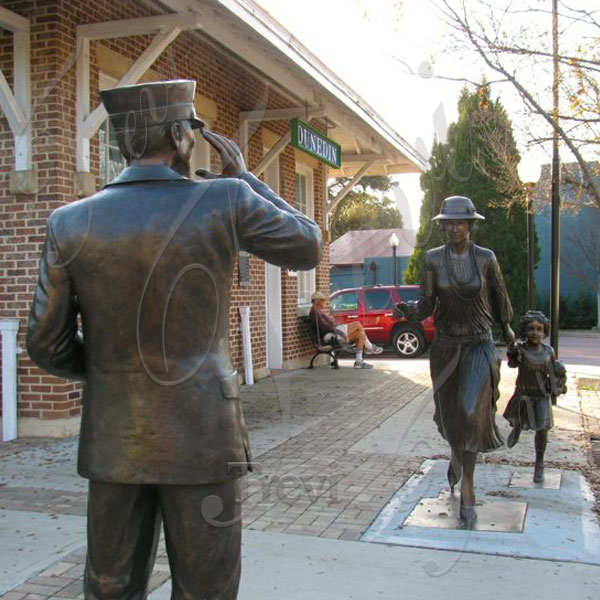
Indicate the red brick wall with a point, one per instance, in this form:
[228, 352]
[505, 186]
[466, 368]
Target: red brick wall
[22, 218]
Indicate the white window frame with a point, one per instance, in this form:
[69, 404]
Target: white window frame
[306, 280]
[105, 82]
[201, 158]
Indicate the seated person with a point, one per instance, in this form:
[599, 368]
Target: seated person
[351, 333]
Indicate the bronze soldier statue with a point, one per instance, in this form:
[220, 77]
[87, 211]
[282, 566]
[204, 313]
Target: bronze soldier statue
[146, 264]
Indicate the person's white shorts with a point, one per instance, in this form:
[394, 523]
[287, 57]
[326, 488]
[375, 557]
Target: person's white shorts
[342, 329]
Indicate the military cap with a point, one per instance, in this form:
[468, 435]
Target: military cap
[131, 107]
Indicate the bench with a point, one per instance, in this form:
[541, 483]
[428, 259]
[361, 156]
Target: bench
[331, 348]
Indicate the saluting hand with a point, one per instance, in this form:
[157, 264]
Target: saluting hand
[232, 161]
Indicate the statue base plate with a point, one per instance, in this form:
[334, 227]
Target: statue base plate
[443, 513]
[554, 520]
[525, 480]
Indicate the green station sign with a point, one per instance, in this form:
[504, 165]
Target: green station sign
[311, 141]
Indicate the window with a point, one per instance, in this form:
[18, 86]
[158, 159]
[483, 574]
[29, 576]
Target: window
[110, 157]
[343, 302]
[378, 299]
[410, 294]
[305, 204]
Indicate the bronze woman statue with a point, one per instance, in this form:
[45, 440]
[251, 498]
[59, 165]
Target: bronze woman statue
[462, 286]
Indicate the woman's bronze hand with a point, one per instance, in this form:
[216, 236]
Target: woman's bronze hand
[509, 335]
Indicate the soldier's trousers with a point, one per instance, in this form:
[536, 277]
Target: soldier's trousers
[202, 526]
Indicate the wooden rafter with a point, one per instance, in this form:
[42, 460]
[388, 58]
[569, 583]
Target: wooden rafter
[166, 28]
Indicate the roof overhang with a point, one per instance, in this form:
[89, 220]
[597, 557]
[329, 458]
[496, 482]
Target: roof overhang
[265, 46]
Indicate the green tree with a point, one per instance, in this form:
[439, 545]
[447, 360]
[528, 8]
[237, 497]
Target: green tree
[363, 208]
[479, 160]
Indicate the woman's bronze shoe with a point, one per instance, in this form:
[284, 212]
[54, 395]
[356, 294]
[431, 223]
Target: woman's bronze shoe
[467, 513]
[513, 436]
[452, 478]
[538, 472]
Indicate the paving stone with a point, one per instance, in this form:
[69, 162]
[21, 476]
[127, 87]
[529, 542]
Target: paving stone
[13, 596]
[33, 588]
[57, 569]
[73, 590]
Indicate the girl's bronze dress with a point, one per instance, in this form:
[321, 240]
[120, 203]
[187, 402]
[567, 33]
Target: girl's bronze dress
[540, 377]
[466, 295]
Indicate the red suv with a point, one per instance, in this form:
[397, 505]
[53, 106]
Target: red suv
[373, 306]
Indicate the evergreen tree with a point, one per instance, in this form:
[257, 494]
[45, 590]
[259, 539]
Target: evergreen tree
[479, 160]
[364, 209]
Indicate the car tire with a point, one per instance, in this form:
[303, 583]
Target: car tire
[408, 342]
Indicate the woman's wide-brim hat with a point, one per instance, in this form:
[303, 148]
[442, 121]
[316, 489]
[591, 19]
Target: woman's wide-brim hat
[458, 208]
[133, 107]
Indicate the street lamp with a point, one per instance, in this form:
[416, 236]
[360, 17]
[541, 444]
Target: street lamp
[394, 241]
[529, 172]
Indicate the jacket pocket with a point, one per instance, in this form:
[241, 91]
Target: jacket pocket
[230, 388]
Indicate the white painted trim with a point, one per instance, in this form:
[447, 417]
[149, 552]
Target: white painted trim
[344, 192]
[17, 105]
[9, 106]
[133, 75]
[9, 329]
[272, 154]
[361, 158]
[261, 22]
[247, 344]
[82, 107]
[281, 114]
[22, 79]
[273, 295]
[139, 26]
[310, 276]
[13, 22]
[168, 27]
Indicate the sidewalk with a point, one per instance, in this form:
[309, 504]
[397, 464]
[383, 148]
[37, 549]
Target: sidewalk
[331, 449]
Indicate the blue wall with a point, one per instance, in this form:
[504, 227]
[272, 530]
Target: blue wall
[570, 286]
[357, 276]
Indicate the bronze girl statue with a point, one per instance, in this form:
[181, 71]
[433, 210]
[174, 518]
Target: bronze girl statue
[540, 378]
[462, 286]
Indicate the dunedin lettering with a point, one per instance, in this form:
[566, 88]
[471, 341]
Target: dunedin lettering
[311, 141]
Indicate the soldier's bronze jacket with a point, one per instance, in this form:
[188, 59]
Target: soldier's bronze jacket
[148, 264]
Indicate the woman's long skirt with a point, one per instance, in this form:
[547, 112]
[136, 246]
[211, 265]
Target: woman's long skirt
[465, 381]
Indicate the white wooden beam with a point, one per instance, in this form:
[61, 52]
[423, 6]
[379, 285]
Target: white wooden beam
[346, 189]
[361, 158]
[13, 22]
[272, 154]
[136, 71]
[10, 107]
[139, 26]
[82, 73]
[22, 79]
[280, 114]
[244, 138]
[17, 105]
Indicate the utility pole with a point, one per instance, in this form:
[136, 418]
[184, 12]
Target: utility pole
[530, 247]
[555, 283]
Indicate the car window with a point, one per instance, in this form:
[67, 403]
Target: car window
[344, 301]
[409, 294]
[378, 299]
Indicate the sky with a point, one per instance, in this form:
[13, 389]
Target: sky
[372, 44]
